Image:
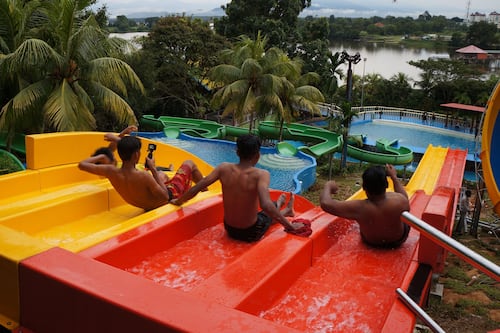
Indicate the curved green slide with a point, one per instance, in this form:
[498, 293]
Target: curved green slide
[323, 141]
[385, 153]
[10, 162]
[195, 127]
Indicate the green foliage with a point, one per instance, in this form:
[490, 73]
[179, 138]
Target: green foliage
[256, 80]
[482, 34]
[275, 19]
[173, 63]
[60, 70]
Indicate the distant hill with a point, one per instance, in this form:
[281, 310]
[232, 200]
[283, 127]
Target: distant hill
[141, 15]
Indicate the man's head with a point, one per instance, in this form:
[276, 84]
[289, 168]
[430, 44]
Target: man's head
[128, 146]
[110, 157]
[375, 180]
[468, 193]
[248, 146]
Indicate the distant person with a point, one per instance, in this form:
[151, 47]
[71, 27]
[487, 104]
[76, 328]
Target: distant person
[140, 188]
[244, 188]
[464, 210]
[378, 216]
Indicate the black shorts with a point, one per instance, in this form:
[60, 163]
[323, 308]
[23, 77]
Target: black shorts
[252, 233]
[391, 245]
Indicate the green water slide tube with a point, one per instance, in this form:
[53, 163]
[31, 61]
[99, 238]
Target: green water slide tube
[384, 152]
[321, 141]
[10, 162]
[195, 127]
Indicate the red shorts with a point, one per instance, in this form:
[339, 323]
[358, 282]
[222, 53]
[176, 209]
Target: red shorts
[180, 183]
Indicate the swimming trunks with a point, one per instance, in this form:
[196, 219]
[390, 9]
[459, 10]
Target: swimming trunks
[180, 182]
[390, 245]
[252, 233]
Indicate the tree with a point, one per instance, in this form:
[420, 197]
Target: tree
[255, 80]
[482, 34]
[174, 61]
[67, 77]
[275, 19]
[345, 123]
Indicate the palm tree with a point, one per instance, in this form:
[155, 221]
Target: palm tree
[347, 114]
[66, 76]
[255, 81]
[334, 73]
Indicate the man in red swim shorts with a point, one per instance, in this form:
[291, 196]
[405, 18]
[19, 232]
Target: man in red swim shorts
[140, 188]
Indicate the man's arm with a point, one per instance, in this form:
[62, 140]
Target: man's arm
[202, 184]
[113, 139]
[96, 165]
[398, 187]
[268, 205]
[347, 209]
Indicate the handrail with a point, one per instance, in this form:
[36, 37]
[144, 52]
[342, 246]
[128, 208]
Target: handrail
[453, 246]
[419, 311]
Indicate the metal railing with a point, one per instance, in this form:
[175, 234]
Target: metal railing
[419, 311]
[457, 248]
[448, 243]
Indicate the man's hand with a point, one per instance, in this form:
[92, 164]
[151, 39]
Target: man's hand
[391, 171]
[150, 162]
[332, 187]
[297, 225]
[176, 202]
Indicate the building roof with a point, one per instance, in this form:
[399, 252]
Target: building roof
[471, 49]
[465, 107]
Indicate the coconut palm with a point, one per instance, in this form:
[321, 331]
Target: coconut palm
[255, 81]
[347, 114]
[69, 75]
[333, 74]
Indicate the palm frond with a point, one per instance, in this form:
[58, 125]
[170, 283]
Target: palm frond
[64, 111]
[114, 73]
[25, 101]
[114, 104]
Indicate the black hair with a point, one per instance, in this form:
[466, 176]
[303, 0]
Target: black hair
[248, 146]
[468, 193]
[105, 151]
[127, 146]
[375, 180]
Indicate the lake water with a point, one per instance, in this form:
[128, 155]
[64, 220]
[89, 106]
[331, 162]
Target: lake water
[384, 59]
[387, 59]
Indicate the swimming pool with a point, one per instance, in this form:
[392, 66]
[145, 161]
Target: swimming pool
[288, 173]
[415, 136]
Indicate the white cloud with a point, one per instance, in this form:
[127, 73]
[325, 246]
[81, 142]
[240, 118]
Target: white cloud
[346, 8]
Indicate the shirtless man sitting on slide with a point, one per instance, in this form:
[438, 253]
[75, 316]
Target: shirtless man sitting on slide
[140, 188]
[378, 216]
[244, 188]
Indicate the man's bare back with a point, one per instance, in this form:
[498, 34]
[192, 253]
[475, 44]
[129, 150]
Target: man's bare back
[245, 190]
[380, 220]
[240, 193]
[378, 216]
[137, 188]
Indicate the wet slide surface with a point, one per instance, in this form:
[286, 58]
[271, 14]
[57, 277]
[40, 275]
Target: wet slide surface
[328, 280]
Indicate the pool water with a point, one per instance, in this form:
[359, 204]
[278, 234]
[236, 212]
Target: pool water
[414, 136]
[283, 169]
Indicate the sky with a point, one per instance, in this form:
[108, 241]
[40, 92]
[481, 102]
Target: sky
[347, 8]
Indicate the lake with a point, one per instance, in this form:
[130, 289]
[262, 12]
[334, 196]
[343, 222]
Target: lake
[381, 58]
[387, 59]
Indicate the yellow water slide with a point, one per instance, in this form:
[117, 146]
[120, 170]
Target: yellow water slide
[490, 148]
[54, 204]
